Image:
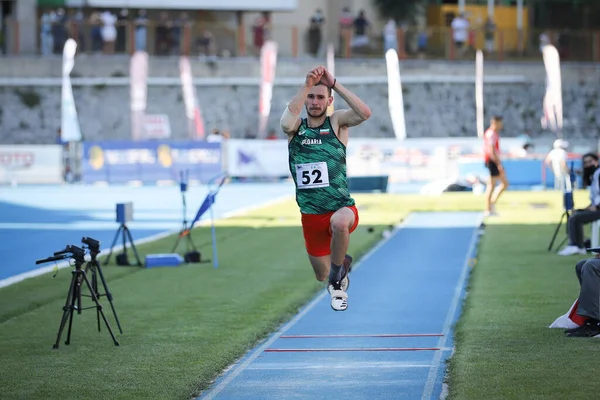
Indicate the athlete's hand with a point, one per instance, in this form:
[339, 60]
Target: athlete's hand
[313, 77]
[327, 79]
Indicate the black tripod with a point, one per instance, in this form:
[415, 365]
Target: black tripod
[568, 206]
[73, 302]
[93, 267]
[185, 229]
[122, 258]
[565, 215]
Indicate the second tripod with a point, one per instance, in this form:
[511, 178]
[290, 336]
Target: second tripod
[93, 268]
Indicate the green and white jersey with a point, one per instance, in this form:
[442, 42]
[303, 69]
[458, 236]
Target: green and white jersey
[317, 161]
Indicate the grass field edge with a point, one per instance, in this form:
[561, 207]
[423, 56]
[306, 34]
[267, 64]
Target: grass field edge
[474, 250]
[66, 263]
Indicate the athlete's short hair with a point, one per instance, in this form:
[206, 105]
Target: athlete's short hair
[497, 118]
[328, 88]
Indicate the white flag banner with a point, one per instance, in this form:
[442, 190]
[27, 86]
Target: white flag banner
[331, 68]
[268, 65]
[553, 107]
[479, 92]
[138, 76]
[395, 100]
[69, 122]
[190, 99]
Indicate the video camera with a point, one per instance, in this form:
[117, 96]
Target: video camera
[93, 244]
[74, 252]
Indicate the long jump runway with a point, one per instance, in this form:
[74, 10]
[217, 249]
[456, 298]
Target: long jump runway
[37, 221]
[391, 342]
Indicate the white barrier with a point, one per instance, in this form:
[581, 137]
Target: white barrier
[411, 160]
[31, 164]
[251, 158]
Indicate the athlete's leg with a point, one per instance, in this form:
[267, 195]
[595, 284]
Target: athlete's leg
[501, 187]
[489, 191]
[341, 223]
[320, 266]
[318, 231]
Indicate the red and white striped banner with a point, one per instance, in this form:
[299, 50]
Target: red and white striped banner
[190, 98]
[331, 69]
[268, 64]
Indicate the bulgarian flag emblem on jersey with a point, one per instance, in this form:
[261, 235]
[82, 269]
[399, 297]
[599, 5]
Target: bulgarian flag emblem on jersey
[324, 132]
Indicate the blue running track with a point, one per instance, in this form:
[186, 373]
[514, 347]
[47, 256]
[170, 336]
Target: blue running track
[37, 221]
[391, 342]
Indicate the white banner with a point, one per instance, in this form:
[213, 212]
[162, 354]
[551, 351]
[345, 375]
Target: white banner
[157, 126]
[410, 160]
[254, 158]
[416, 160]
[69, 123]
[331, 69]
[395, 99]
[31, 164]
[553, 107]
[479, 93]
[139, 92]
[190, 99]
[268, 65]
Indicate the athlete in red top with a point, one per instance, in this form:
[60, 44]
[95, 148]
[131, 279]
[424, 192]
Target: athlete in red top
[491, 153]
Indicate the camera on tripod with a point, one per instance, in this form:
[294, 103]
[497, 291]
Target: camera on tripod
[93, 244]
[74, 252]
[79, 279]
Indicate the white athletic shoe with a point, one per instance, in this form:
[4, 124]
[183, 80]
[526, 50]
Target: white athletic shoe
[339, 300]
[571, 251]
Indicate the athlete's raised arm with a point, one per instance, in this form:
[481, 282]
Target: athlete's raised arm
[290, 120]
[359, 111]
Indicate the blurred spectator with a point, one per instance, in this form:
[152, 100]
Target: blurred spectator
[557, 160]
[215, 136]
[272, 135]
[390, 36]
[59, 30]
[96, 31]
[249, 134]
[591, 176]
[544, 40]
[206, 46]
[163, 35]
[46, 38]
[315, 33]
[460, 27]
[122, 19]
[361, 25]
[422, 39]
[109, 31]
[489, 28]
[346, 23]
[78, 29]
[141, 30]
[178, 31]
[261, 30]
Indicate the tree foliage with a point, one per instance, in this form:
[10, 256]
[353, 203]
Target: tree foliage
[399, 10]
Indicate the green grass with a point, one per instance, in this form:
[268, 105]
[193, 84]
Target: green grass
[183, 326]
[504, 348]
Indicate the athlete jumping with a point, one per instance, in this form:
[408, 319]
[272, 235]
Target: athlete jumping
[317, 162]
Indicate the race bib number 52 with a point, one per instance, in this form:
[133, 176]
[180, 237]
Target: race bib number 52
[312, 175]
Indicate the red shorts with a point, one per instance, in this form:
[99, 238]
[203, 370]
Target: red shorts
[317, 232]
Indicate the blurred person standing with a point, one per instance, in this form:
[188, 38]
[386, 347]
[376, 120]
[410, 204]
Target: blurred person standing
[557, 160]
[491, 154]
